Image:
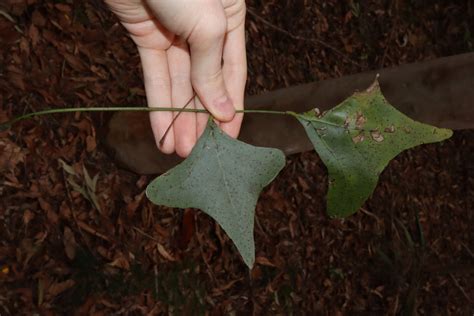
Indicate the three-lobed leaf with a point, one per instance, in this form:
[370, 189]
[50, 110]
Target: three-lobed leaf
[223, 177]
[357, 139]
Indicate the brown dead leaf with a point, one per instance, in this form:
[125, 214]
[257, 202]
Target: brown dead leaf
[220, 290]
[45, 205]
[65, 8]
[17, 80]
[75, 62]
[34, 35]
[164, 252]
[163, 232]
[50, 212]
[26, 251]
[69, 243]
[24, 45]
[91, 144]
[264, 262]
[133, 206]
[57, 288]
[38, 19]
[91, 230]
[120, 262]
[27, 217]
[10, 155]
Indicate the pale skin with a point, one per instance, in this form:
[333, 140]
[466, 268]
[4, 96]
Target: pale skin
[187, 47]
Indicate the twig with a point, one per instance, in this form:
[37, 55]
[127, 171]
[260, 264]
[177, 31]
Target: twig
[11, 19]
[145, 234]
[460, 288]
[301, 38]
[69, 198]
[162, 140]
[366, 212]
[93, 231]
[155, 272]
[7, 16]
[467, 249]
[455, 281]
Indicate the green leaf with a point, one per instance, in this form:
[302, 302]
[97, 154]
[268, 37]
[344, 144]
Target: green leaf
[357, 139]
[223, 177]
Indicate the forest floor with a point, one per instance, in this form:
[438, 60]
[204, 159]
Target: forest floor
[70, 246]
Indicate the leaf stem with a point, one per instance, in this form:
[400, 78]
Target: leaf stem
[8, 124]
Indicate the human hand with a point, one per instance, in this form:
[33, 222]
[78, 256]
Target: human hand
[188, 46]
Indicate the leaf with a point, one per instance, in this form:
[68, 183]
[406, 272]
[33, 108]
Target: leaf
[357, 139]
[57, 288]
[76, 187]
[70, 243]
[223, 177]
[86, 193]
[68, 168]
[163, 252]
[91, 185]
[90, 182]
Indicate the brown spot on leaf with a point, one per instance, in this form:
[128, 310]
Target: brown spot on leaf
[359, 138]
[321, 131]
[360, 120]
[347, 121]
[377, 136]
[390, 129]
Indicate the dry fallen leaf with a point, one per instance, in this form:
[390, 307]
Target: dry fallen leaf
[165, 253]
[69, 243]
[27, 217]
[58, 287]
[120, 262]
[10, 154]
[90, 143]
[264, 262]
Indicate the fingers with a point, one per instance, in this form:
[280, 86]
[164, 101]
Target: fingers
[235, 76]
[206, 47]
[158, 93]
[184, 126]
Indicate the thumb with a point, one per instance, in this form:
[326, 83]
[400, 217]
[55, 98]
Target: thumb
[206, 47]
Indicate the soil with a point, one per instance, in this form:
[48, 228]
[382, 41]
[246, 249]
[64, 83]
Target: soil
[71, 245]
